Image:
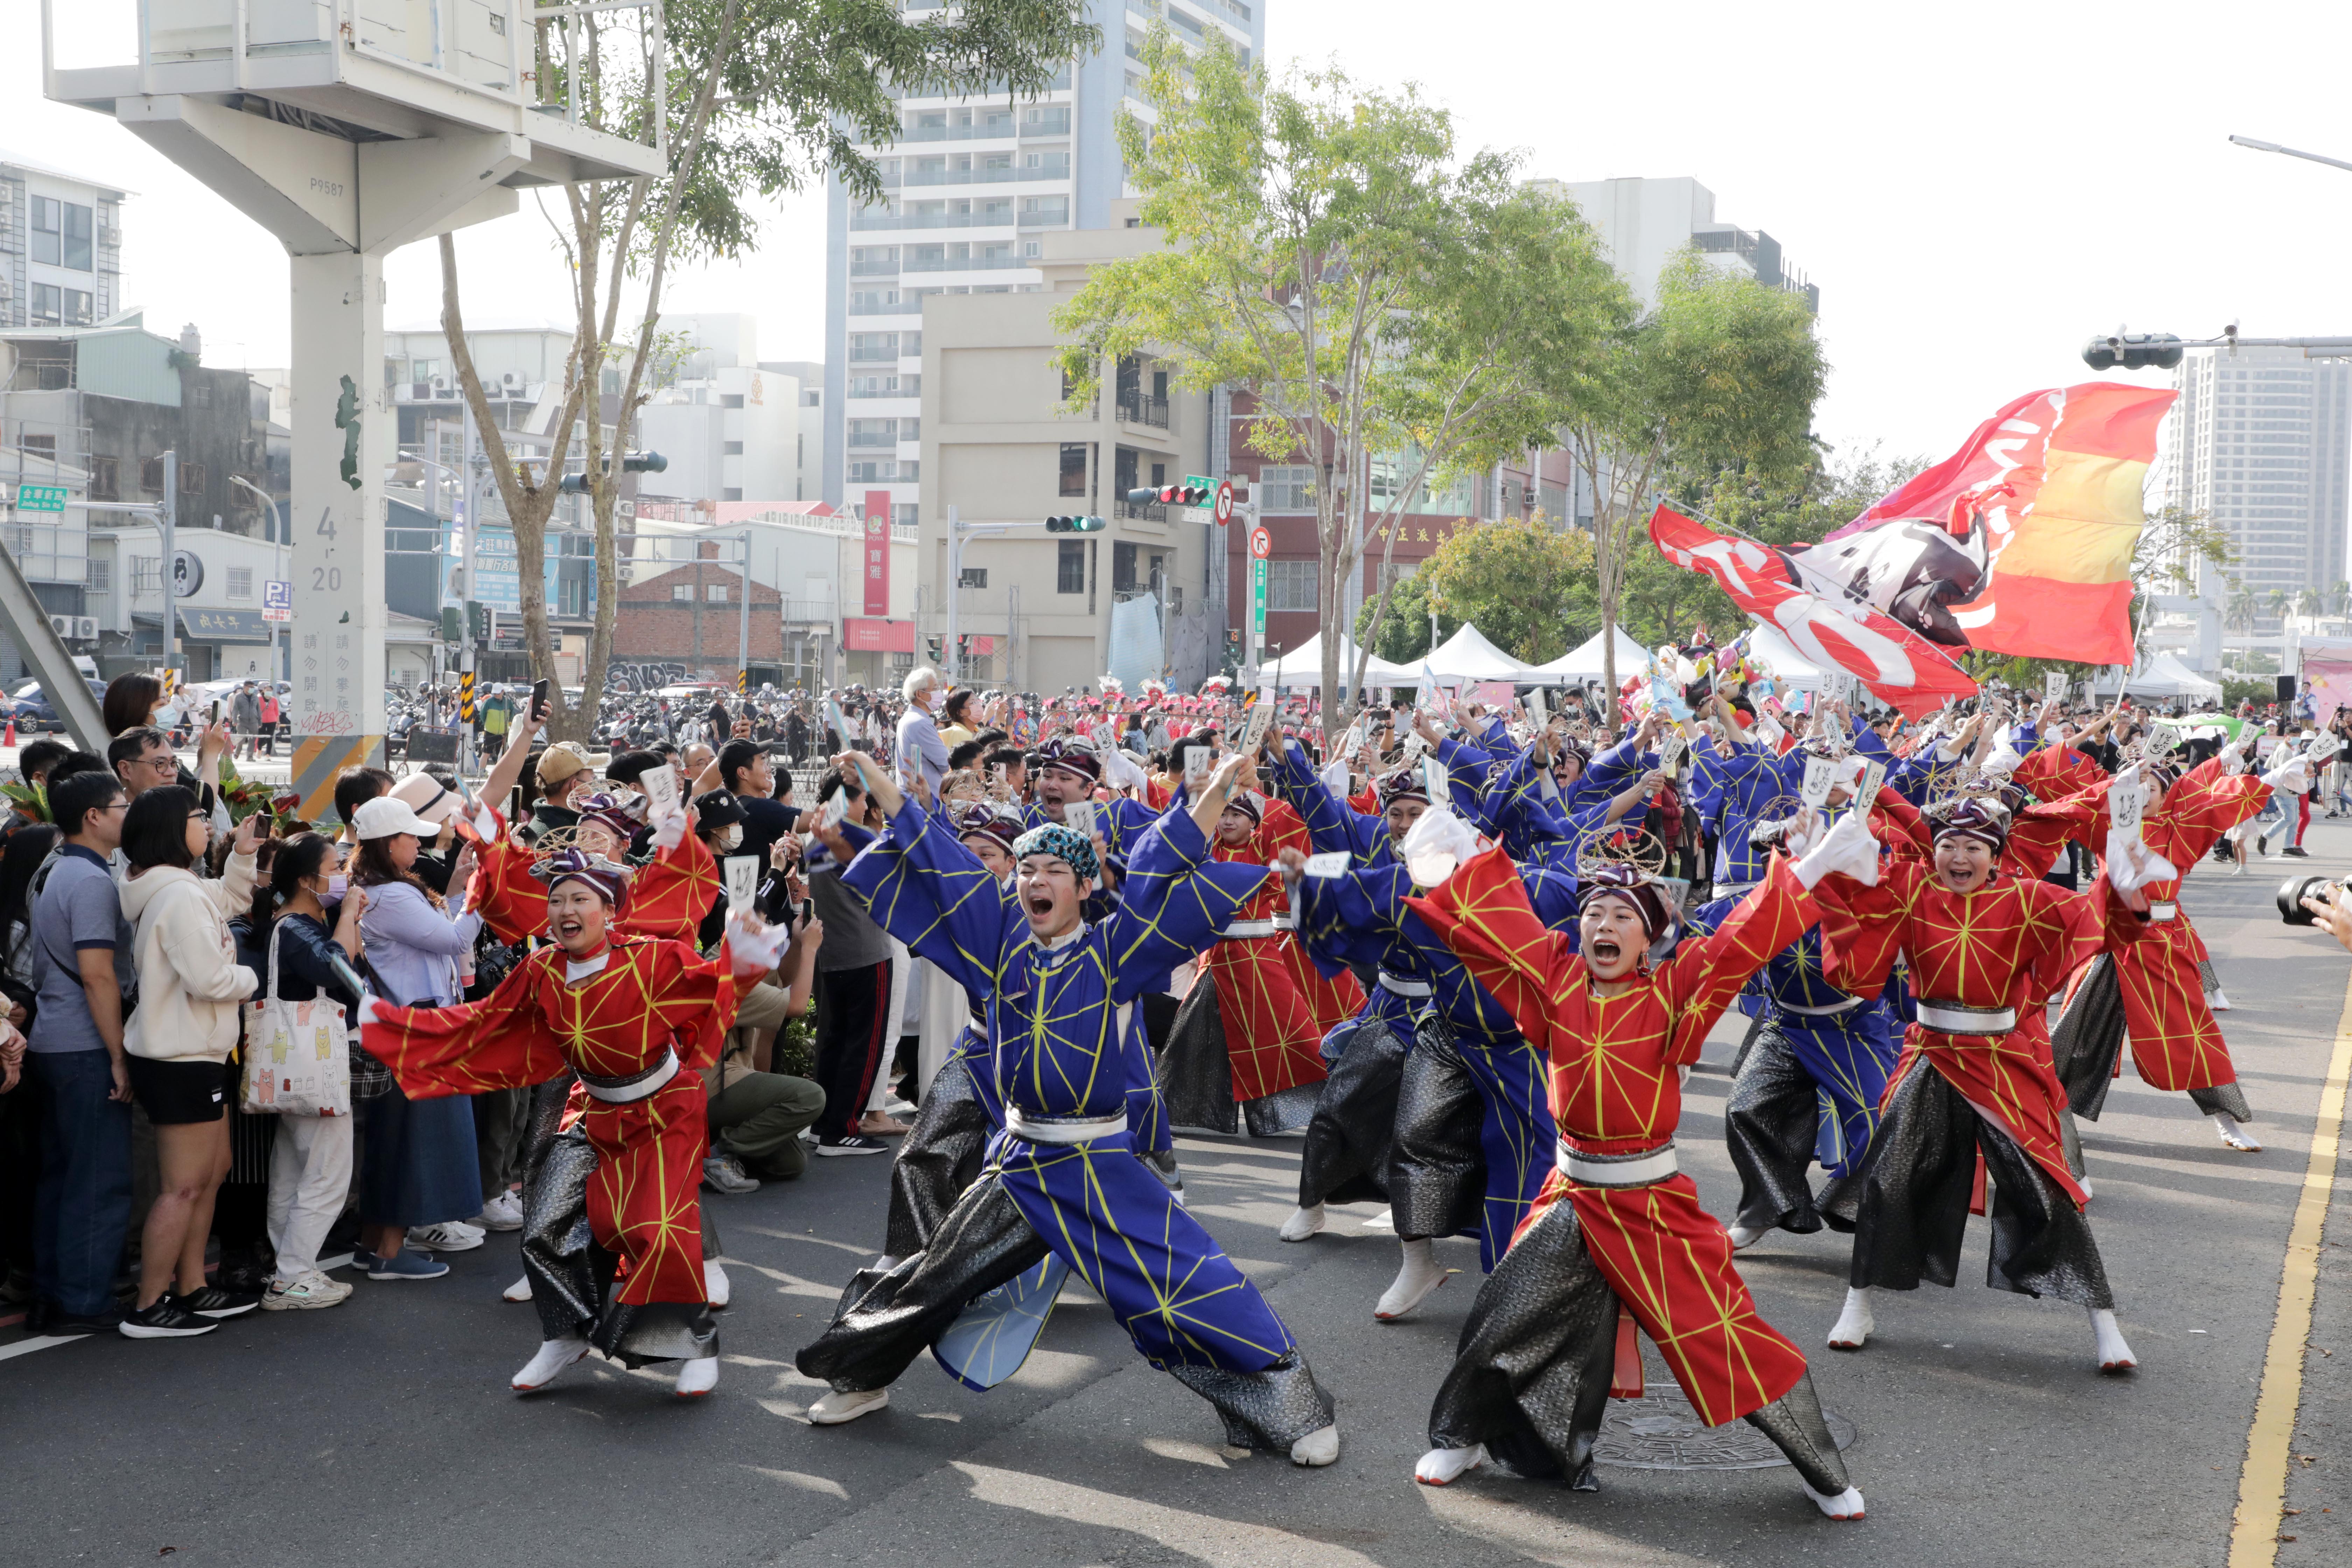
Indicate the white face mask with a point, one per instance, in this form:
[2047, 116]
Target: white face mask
[730, 837]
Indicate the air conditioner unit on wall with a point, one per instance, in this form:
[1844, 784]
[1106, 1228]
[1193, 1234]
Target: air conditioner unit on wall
[85, 628]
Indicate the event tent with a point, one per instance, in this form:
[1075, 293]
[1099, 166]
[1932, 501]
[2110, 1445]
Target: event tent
[1771, 648]
[1302, 668]
[1584, 662]
[2163, 677]
[1469, 656]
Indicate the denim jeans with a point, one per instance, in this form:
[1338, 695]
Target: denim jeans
[83, 1203]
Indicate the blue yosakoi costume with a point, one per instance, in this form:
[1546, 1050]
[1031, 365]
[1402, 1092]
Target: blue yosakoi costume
[1808, 1086]
[1468, 1035]
[1070, 1063]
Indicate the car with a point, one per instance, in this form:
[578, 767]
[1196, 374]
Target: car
[29, 706]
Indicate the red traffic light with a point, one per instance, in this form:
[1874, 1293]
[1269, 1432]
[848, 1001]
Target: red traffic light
[1182, 495]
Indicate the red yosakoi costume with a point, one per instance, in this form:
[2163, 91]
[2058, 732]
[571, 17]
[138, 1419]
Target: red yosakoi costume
[1616, 1226]
[1252, 1025]
[1975, 1079]
[2150, 990]
[669, 896]
[653, 1014]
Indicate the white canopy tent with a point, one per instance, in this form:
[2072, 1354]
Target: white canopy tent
[2161, 676]
[1302, 668]
[1469, 656]
[1583, 663]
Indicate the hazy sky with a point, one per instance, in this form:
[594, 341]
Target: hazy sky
[1976, 189]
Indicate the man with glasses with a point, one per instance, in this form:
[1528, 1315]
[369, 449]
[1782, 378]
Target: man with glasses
[143, 760]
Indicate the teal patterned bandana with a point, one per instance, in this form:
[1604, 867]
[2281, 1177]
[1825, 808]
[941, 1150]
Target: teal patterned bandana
[1064, 844]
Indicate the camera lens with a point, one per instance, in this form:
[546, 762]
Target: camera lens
[2294, 890]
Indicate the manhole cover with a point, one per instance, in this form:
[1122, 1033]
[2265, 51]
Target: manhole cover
[1659, 1432]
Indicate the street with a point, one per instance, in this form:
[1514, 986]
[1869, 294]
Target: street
[382, 1431]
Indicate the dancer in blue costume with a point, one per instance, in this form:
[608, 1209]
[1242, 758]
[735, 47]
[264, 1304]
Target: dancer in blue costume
[1064, 1177]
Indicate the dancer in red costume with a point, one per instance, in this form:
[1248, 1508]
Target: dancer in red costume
[638, 1018]
[2151, 991]
[1247, 1048]
[1616, 1227]
[1985, 949]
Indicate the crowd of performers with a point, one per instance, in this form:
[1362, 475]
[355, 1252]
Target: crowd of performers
[1439, 953]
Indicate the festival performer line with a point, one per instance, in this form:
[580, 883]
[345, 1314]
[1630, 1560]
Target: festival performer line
[1063, 1177]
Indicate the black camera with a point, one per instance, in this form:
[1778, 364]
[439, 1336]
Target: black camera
[2294, 889]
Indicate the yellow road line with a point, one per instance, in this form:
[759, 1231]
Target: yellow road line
[2262, 1484]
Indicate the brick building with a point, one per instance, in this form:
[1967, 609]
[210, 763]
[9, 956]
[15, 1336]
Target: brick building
[692, 615]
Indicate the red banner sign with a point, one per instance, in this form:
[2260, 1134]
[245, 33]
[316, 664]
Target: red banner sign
[877, 553]
[865, 634]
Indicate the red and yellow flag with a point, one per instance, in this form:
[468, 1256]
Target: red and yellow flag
[2019, 542]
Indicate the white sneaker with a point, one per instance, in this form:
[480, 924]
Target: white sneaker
[1846, 1505]
[715, 1289]
[838, 1407]
[517, 1291]
[1302, 1224]
[1443, 1467]
[698, 1378]
[451, 1236]
[1742, 1238]
[1854, 1324]
[1318, 1448]
[502, 1212]
[1416, 1278]
[553, 1356]
[306, 1292]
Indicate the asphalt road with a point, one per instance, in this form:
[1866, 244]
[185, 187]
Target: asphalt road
[383, 1432]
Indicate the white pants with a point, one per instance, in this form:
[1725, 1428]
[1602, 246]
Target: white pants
[309, 1176]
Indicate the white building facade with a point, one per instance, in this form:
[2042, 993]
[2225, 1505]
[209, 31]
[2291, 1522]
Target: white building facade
[2259, 443]
[60, 247]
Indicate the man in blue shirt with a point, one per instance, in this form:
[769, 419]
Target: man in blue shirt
[81, 972]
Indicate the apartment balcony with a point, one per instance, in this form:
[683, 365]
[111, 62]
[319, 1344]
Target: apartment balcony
[1054, 121]
[1055, 169]
[973, 264]
[873, 270]
[1137, 409]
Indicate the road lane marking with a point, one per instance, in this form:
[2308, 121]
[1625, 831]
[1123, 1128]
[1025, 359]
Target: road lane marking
[2262, 1484]
[51, 1341]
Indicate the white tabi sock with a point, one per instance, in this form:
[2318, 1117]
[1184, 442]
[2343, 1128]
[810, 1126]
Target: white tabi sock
[1440, 1466]
[2115, 1354]
[698, 1378]
[2233, 1132]
[1416, 1278]
[553, 1356]
[1854, 1324]
[1303, 1223]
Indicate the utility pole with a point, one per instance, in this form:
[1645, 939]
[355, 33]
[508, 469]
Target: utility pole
[171, 562]
[743, 631]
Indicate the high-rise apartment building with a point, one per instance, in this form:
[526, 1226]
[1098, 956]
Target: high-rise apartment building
[60, 247]
[2259, 443]
[969, 187]
[1643, 222]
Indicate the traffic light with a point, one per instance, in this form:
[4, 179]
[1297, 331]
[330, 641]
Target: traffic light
[477, 621]
[453, 623]
[1075, 525]
[2133, 350]
[631, 463]
[1169, 495]
[934, 647]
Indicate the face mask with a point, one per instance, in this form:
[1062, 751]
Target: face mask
[337, 885]
[730, 837]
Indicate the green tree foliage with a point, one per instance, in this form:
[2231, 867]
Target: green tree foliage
[763, 97]
[1329, 253]
[1524, 584]
[1719, 376]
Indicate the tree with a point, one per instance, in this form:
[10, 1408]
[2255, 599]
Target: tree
[1326, 254]
[1719, 376]
[782, 92]
[2240, 608]
[1402, 635]
[1524, 583]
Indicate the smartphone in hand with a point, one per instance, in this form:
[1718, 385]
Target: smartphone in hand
[539, 690]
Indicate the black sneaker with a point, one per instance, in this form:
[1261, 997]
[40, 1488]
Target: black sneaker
[2297, 850]
[164, 1320]
[211, 1301]
[64, 1324]
[855, 1144]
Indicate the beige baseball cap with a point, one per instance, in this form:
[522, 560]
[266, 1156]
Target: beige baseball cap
[559, 762]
